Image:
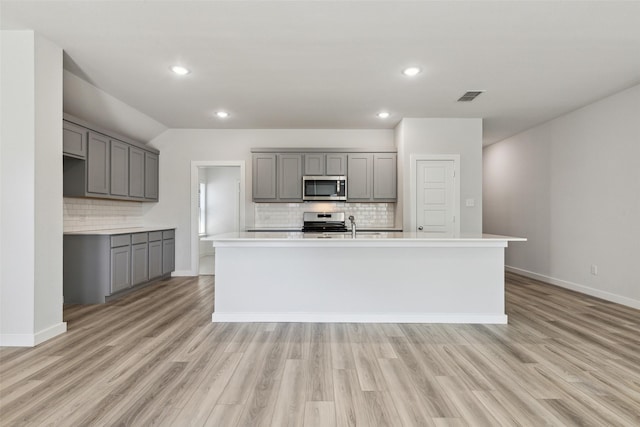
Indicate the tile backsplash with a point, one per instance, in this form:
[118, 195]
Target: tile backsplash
[289, 215]
[96, 214]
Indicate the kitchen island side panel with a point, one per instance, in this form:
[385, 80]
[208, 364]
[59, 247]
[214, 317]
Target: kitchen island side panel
[363, 284]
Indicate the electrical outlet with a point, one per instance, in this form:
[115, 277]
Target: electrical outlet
[594, 269]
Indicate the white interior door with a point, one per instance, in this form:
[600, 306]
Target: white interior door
[435, 197]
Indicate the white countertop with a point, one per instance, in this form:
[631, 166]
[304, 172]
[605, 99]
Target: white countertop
[114, 231]
[363, 239]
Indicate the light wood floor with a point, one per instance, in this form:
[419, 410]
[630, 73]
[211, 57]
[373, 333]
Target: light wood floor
[155, 358]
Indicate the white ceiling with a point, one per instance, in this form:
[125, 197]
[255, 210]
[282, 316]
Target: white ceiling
[335, 64]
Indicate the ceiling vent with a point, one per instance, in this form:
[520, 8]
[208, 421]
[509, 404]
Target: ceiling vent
[470, 95]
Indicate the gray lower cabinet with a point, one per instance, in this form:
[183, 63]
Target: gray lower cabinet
[98, 267]
[139, 258]
[120, 268]
[155, 259]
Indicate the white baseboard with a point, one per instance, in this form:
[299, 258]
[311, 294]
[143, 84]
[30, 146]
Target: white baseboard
[361, 317]
[183, 273]
[598, 293]
[32, 340]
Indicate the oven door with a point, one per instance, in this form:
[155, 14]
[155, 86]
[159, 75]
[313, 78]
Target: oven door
[324, 188]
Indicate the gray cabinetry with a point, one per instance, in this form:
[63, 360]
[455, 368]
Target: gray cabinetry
[74, 140]
[384, 177]
[314, 164]
[155, 258]
[372, 177]
[119, 176]
[139, 258]
[98, 267]
[360, 177]
[264, 177]
[168, 251]
[325, 164]
[289, 177]
[98, 164]
[336, 164]
[136, 172]
[150, 176]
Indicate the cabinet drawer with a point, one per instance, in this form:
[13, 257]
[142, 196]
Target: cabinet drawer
[138, 238]
[155, 236]
[168, 234]
[120, 240]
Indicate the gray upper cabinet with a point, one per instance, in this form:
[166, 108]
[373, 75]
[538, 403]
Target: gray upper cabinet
[360, 177]
[385, 177]
[95, 164]
[98, 164]
[264, 177]
[314, 164]
[289, 177]
[74, 140]
[336, 164]
[136, 172]
[372, 177]
[119, 168]
[151, 176]
[325, 164]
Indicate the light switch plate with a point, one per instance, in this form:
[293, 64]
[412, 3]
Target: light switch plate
[470, 203]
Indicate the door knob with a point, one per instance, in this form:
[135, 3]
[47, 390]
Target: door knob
[420, 228]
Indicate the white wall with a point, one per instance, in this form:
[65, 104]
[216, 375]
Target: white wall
[178, 147]
[223, 199]
[87, 102]
[31, 189]
[572, 187]
[443, 136]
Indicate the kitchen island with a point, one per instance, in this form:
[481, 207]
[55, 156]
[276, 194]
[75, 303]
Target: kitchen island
[375, 277]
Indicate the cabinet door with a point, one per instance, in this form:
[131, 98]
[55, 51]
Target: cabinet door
[155, 259]
[314, 164]
[150, 176]
[139, 263]
[360, 176]
[290, 177]
[264, 176]
[120, 268]
[336, 164]
[74, 140]
[98, 164]
[168, 256]
[136, 172]
[384, 176]
[119, 168]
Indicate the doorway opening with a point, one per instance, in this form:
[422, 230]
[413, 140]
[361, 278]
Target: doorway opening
[217, 206]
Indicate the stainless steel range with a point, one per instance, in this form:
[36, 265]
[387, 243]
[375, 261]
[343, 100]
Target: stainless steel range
[324, 222]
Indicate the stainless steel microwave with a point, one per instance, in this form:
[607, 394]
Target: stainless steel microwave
[324, 188]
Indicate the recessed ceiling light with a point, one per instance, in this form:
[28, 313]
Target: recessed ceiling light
[383, 115]
[179, 70]
[222, 114]
[411, 71]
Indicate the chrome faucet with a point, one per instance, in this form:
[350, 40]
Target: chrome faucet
[353, 226]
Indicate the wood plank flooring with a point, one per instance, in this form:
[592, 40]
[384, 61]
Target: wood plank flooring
[155, 358]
